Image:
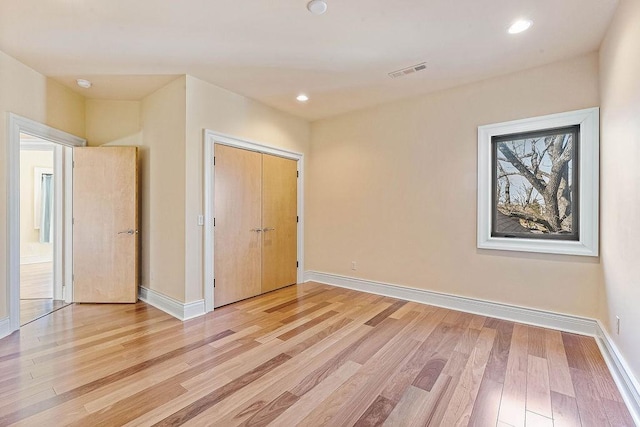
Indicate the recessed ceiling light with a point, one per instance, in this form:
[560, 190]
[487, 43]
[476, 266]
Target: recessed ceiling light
[317, 7]
[86, 84]
[520, 26]
[302, 97]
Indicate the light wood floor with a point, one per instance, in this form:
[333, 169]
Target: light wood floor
[32, 309]
[36, 280]
[307, 355]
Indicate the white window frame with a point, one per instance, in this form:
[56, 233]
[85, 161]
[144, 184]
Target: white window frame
[588, 187]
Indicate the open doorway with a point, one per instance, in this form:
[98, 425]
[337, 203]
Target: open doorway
[57, 182]
[41, 290]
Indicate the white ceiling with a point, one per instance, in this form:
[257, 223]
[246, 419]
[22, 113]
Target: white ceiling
[271, 50]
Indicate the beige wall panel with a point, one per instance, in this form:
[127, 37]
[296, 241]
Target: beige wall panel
[113, 122]
[162, 189]
[620, 175]
[394, 189]
[65, 109]
[30, 94]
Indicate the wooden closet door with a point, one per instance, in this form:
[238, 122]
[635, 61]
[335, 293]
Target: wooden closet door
[105, 230]
[279, 222]
[237, 247]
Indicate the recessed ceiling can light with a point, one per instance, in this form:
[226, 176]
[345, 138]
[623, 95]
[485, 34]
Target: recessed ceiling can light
[83, 83]
[302, 97]
[317, 7]
[520, 26]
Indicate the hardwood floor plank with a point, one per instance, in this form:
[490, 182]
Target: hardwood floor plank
[497, 364]
[376, 413]
[487, 404]
[565, 410]
[303, 313]
[410, 410]
[559, 375]
[598, 368]
[364, 387]
[443, 343]
[185, 414]
[71, 394]
[308, 402]
[296, 300]
[374, 321]
[272, 410]
[537, 420]
[409, 306]
[459, 409]
[590, 407]
[300, 329]
[514, 393]
[537, 342]
[310, 354]
[575, 354]
[447, 385]
[617, 413]
[538, 390]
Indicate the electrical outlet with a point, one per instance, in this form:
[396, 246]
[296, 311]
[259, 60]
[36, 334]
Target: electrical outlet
[353, 265]
[618, 325]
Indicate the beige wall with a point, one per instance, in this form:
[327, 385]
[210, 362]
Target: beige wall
[394, 189]
[620, 194]
[162, 187]
[28, 93]
[210, 107]
[113, 122]
[30, 246]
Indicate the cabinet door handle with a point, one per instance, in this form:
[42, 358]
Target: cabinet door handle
[268, 229]
[129, 232]
[257, 230]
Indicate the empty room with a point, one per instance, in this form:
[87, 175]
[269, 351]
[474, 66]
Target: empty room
[320, 212]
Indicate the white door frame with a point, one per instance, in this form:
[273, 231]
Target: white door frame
[17, 125]
[210, 139]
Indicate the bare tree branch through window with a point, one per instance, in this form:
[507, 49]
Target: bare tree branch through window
[535, 180]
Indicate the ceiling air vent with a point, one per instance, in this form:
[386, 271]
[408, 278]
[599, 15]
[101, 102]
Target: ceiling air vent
[408, 70]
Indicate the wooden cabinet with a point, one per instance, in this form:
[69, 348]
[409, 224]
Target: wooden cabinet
[255, 232]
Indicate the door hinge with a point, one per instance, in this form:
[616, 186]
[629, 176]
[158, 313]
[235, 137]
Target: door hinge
[214, 222]
[73, 221]
[214, 160]
[297, 218]
[297, 264]
[73, 163]
[297, 174]
[214, 283]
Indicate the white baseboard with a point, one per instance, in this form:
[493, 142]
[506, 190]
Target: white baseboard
[179, 310]
[5, 327]
[35, 259]
[530, 316]
[627, 383]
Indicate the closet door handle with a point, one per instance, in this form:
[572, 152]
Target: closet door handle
[268, 229]
[130, 232]
[257, 230]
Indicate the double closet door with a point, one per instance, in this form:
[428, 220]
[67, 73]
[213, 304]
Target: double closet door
[255, 223]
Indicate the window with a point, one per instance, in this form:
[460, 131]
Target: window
[535, 183]
[538, 184]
